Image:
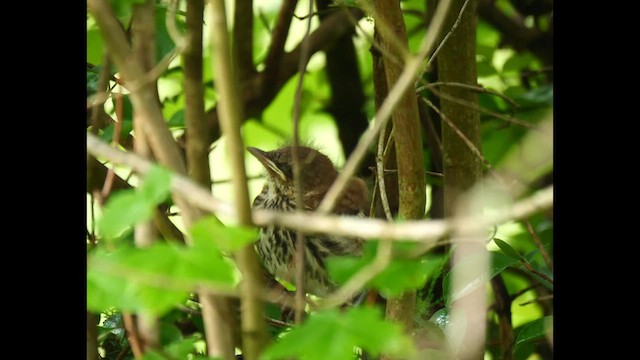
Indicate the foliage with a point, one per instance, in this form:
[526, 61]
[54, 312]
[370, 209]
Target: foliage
[161, 280]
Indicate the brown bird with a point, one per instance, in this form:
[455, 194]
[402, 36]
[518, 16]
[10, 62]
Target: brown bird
[276, 245]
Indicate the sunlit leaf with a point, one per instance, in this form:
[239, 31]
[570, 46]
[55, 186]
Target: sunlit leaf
[226, 238]
[124, 209]
[507, 249]
[334, 335]
[152, 279]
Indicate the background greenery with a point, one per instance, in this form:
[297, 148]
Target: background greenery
[514, 59]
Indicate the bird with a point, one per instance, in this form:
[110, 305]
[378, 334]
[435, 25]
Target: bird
[276, 246]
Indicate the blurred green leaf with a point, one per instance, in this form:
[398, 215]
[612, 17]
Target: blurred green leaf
[156, 185]
[125, 129]
[95, 45]
[333, 334]
[164, 43]
[520, 61]
[177, 119]
[93, 78]
[177, 350]
[124, 209]
[507, 249]
[531, 98]
[399, 276]
[499, 262]
[533, 331]
[227, 238]
[487, 36]
[154, 278]
[485, 68]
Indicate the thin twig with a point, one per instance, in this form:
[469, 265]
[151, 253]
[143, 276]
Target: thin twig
[134, 337]
[470, 105]
[444, 41]
[536, 239]
[380, 175]
[108, 181]
[539, 299]
[530, 268]
[279, 323]
[295, 156]
[357, 281]
[178, 39]
[366, 228]
[466, 140]
[411, 68]
[479, 89]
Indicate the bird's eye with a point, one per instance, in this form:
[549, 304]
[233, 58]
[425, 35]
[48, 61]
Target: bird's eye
[287, 170]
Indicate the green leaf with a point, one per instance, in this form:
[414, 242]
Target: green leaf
[152, 279]
[95, 45]
[507, 249]
[177, 350]
[333, 335]
[519, 61]
[227, 238]
[531, 98]
[156, 185]
[177, 119]
[499, 262]
[124, 209]
[399, 276]
[533, 331]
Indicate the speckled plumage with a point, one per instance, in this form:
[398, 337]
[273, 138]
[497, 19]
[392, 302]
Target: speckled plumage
[276, 246]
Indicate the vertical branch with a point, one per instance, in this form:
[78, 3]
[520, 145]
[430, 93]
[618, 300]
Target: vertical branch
[243, 39]
[197, 148]
[254, 334]
[300, 240]
[144, 32]
[502, 308]
[408, 142]
[462, 171]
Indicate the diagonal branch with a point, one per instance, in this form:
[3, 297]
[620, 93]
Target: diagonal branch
[275, 53]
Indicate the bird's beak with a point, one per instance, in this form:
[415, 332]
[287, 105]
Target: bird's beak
[263, 157]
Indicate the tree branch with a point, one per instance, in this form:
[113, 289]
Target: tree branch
[425, 231]
[197, 146]
[243, 39]
[502, 307]
[272, 63]
[144, 33]
[408, 142]
[254, 332]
